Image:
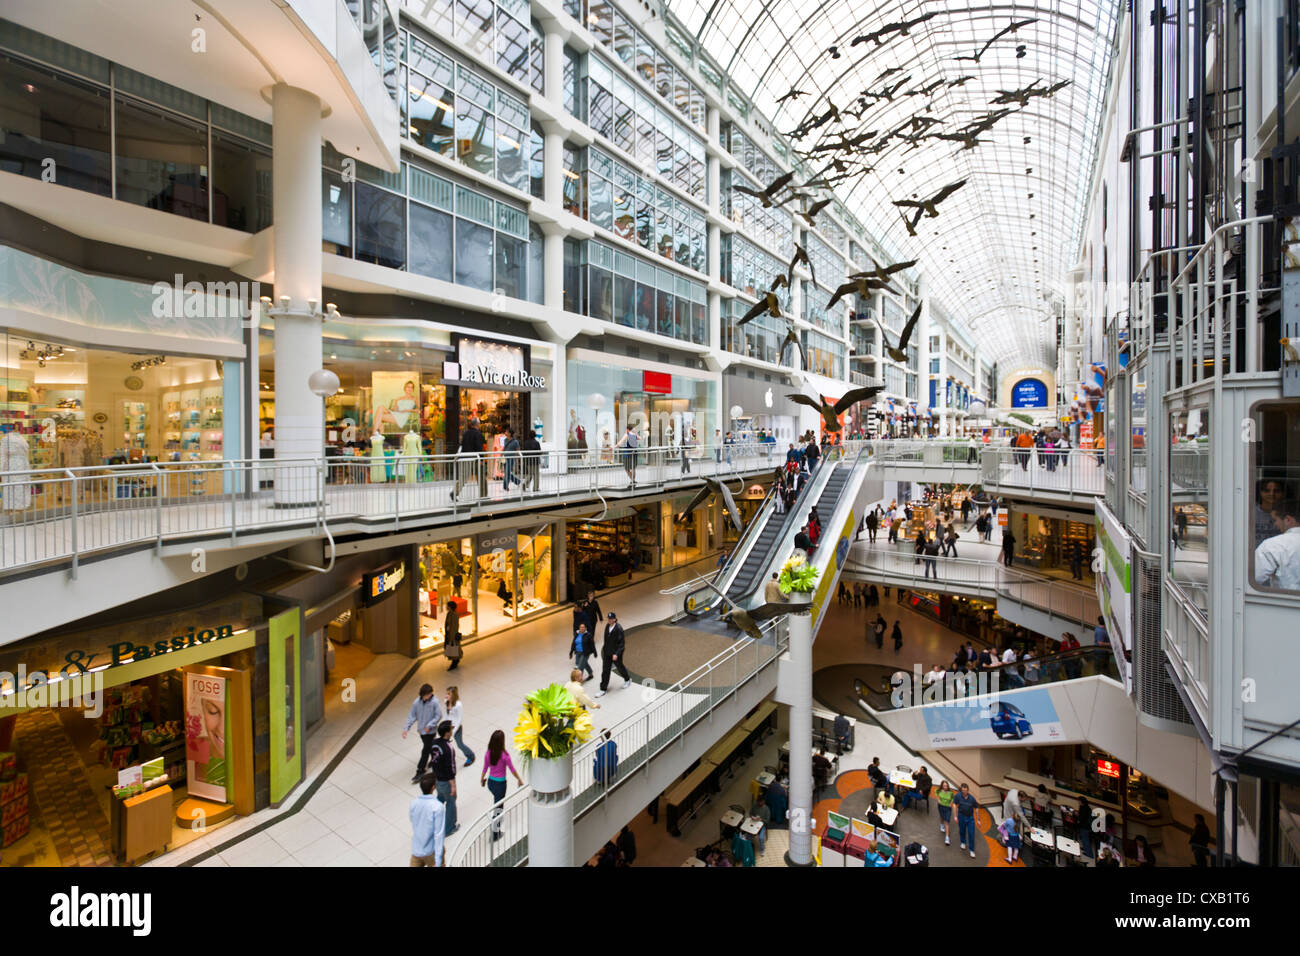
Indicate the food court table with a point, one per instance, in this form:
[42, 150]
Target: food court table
[1042, 838]
[752, 825]
[765, 779]
[887, 816]
[731, 819]
[1067, 846]
[694, 861]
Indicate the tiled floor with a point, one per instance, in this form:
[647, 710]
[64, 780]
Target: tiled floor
[358, 816]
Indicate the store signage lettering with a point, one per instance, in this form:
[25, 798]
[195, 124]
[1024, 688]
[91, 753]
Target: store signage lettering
[384, 582]
[127, 652]
[1107, 768]
[488, 375]
[491, 375]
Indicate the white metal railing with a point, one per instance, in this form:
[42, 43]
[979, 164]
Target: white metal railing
[1187, 635]
[1070, 471]
[662, 721]
[60, 514]
[1055, 598]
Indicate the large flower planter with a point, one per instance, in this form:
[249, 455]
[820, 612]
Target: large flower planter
[552, 775]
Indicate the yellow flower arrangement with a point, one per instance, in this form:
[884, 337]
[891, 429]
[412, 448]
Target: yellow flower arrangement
[551, 723]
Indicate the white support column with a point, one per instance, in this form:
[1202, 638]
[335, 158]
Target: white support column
[560, 404]
[553, 65]
[550, 812]
[801, 777]
[296, 177]
[553, 240]
[560, 550]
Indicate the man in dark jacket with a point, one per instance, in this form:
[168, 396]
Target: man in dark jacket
[471, 458]
[611, 655]
[811, 454]
[511, 456]
[873, 522]
[802, 540]
[531, 449]
[592, 607]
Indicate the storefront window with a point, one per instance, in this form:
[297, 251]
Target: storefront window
[241, 183]
[604, 399]
[446, 576]
[70, 406]
[387, 390]
[1275, 528]
[1189, 503]
[1055, 546]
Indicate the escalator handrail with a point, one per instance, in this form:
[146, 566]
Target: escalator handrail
[728, 569]
[821, 480]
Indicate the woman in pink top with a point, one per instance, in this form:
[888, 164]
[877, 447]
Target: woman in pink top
[495, 764]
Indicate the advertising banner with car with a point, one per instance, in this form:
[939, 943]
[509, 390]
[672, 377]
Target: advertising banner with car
[1027, 715]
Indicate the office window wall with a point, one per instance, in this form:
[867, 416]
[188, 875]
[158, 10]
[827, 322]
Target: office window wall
[456, 112]
[631, 120]
[825, 356]
[632, 292]
[771, 227]
[761, 338]
[620, 38]
[426, 224]
[751, 270]
[633, 208]
[499, 33]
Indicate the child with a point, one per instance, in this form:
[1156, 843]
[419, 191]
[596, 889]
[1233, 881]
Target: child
[1010, 832]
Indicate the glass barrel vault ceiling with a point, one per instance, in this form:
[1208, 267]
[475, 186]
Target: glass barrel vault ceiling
[1002, 245]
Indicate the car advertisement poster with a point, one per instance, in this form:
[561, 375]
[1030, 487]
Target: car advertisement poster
[1027, 715]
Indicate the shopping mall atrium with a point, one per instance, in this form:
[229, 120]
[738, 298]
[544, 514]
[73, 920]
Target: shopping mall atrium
[739, 432]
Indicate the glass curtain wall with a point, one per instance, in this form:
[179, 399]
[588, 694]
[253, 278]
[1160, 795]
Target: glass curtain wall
[634, 293]
[173, 151]
[497, 32]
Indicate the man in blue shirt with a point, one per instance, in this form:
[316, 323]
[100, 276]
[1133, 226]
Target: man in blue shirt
[606, 763]
[966, 805]
[427, 821]
[425, 715]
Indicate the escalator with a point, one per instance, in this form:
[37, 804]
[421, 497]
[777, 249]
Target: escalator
[769, 539]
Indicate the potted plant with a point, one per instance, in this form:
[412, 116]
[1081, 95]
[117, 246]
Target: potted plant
[798, 579]
[550, 727]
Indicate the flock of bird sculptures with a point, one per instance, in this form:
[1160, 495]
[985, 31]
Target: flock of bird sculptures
[850, 148]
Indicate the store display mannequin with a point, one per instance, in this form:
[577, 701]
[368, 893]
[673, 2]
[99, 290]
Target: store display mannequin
[377, 457]
[411, 451]
[15, 460]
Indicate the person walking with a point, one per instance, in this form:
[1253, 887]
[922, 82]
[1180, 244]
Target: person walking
[951, 540]
[425, 715]
[1008, 547]
[944, 797]
[966, 807]
[811, 456]
[454, 712]
[873, 522]
[1009, 829]
[931, 552]
[470, 459]
[428, 819]
[873, 596]
[965, 511]
[510, 455]
[1076, 562]
[495, 765]
[531, 450]
[1200, 842]
[582, 648]
[686, 458]
[592, 607]
[574, 687]
[626, 846]
[611, 655]
[451, 648]
[628, 445]
[897, 636]
[444, 769]
[880, 628]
